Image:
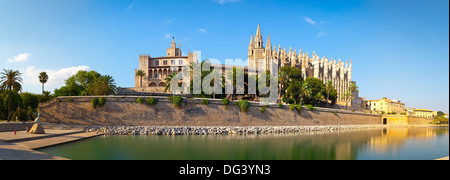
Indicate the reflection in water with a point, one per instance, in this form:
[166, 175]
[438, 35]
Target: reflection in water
[387, 143]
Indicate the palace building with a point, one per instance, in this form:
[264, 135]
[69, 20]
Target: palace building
[158, 68]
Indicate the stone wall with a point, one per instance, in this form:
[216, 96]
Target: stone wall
[412, 120]
[124, 110]
[405, 120]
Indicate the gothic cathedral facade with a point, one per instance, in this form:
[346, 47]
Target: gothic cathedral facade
[339, 73]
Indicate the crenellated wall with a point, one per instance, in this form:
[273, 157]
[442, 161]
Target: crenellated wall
[124, 110]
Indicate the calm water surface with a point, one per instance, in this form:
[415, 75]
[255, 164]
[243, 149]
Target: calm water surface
[387, 143]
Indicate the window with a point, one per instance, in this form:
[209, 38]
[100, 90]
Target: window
[165, 62]
[172, 62]
[180, 62]
[156, 62]
[156, 75]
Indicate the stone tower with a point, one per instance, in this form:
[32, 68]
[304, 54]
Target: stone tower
[256, 51]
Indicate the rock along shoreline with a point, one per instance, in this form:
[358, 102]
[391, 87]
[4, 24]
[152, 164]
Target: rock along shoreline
[221, 130]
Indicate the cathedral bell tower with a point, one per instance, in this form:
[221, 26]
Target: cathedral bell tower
[256, 51]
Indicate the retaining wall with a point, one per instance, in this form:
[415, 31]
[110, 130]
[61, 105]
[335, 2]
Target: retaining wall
[124, 110]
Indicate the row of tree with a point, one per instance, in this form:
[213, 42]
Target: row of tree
[86, 83]
[15, 104]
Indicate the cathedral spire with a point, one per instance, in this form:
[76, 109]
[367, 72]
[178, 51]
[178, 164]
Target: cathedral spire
[251, 42]
[268, 45]
[258, 32]
[258, 38]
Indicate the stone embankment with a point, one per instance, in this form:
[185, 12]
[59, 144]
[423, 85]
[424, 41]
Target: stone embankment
[178, 130]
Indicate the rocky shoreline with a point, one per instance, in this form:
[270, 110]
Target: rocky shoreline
[241, 130]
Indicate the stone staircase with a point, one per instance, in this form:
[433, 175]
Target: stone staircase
[14, 126]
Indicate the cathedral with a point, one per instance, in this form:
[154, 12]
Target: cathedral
[339, 73]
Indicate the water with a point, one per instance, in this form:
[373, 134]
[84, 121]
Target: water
[388, 143]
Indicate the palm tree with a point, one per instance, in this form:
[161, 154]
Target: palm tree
[282, 80]
[347, 95]
[305, 91]
[318, 97]
[328, 88]
[43, 77]
[168, 80]
[104, 85]
[10, 80]
[140, 74]
[354, 87]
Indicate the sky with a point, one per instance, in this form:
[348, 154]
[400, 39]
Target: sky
[398, 48]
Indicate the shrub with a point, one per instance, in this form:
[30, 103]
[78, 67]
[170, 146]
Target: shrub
[284, 99]
[310, 107]
[263, 109]
[101, 101]
[59, 100]
[291, 107]
[151, 101]
[225, 101]
[69, 100]
[291, 101]
[205, 102]
[299, 108]
[140, 100]
[94, 102]
[243, 105]
[280, 105]
[177, 101]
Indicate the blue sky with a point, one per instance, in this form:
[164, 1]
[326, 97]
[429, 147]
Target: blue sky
[399, 48]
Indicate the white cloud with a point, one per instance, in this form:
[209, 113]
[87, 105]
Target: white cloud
[56, 78]
[321, 33]
[226, 1]
[130, 6]
[168, 36]
[310, 21]
[202, 30]
[20, 58]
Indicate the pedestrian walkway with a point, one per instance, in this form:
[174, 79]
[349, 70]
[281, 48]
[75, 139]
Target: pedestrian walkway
[20, 145]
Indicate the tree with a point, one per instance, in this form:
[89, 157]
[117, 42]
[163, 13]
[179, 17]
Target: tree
[104, 85]
[282, 80]
[168, 80]
[305, 91]
[328, 88]
[87, 83]
[29, 100]
[10, 80]
[316, 86]
[293, 81]
[318, 97]
[440, 114]
[43, 78]
[348, 95]
[140, 74]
